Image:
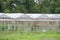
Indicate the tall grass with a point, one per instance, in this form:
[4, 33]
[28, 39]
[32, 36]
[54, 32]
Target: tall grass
[29, 35]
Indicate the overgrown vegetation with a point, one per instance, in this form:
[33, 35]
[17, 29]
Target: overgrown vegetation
[11, 35]
[29, 6]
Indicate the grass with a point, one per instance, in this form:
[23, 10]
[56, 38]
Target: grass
[13, 35]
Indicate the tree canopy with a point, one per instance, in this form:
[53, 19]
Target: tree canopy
[29, 6]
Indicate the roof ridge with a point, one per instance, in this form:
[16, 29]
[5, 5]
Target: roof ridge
[5, 16]
[43, 16]
[24, 16]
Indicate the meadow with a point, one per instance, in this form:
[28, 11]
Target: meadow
[16, 35]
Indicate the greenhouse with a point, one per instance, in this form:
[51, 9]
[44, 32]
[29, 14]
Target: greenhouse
[25, 22]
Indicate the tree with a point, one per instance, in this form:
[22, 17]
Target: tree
[45, 6]
[1, 9]
[57, 10]
[52, 6]
[29, 4]
[35, 9]
[6, 11]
